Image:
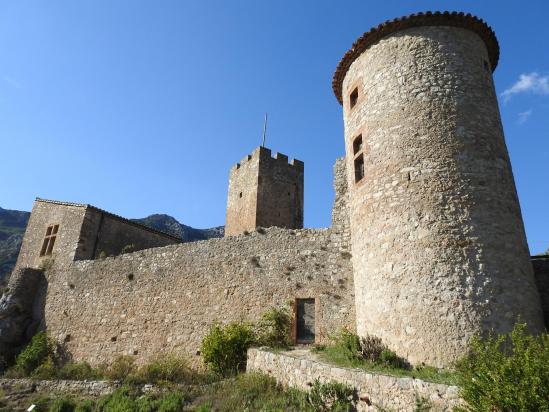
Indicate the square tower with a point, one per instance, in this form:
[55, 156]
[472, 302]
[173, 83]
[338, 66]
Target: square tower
[265, 191]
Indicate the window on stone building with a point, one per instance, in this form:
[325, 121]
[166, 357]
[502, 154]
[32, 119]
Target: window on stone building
[353, 98]
[357, 144]
[49, 240]
[240, 194]
[359, 168]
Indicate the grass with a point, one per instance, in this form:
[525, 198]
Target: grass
[334, 355]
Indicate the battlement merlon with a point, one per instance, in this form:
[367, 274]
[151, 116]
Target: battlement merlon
[262, 153]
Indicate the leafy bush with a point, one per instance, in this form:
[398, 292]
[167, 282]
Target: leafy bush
[121, 400]
[62, 405]
[121, 369]
[273, 328]
[389, 358]
[85, 405]
[332, 396]
[506, 373]
[224, 348]
[171, 402]
[167, 368]
[46, 370]
[37, 352]
[253, 392]
[78, 371]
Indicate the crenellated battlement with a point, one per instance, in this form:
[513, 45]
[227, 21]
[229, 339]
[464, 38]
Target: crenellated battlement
[264, 154]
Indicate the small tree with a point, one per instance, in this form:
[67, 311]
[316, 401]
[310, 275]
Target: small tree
[506, 373]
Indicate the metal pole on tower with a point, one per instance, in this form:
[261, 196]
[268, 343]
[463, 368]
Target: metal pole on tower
[264, 129]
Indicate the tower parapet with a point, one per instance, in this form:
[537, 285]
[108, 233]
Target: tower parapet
[439, 248]
[265, 191]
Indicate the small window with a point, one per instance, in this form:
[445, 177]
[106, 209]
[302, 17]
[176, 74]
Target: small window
[240, 194]
[354, 97]
[357, 144]
[359, 168]
[49, 240]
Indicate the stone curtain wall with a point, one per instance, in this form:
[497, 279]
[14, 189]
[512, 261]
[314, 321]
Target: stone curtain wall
[376, 392]
[541, 271]
[439, 248]
[165, 299]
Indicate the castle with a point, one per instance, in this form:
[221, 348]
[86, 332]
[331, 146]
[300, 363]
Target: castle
[426, 249]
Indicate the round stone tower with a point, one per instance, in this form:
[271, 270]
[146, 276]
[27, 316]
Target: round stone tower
[439, 249]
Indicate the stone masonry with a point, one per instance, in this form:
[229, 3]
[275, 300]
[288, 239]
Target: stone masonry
[439, 249]
[375, 392]
[265, 191]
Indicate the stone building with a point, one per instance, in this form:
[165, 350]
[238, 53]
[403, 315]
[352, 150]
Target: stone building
[426, 248]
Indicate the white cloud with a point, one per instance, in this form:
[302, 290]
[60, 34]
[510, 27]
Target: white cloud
[12, 82]
[524, 116]
[528, 83]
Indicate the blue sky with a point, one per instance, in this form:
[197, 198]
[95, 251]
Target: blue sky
[142, 107]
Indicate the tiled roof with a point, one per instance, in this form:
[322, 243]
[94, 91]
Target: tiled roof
[453, 19]
[123, 219]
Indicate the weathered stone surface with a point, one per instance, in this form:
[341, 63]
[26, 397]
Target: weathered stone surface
[21, 311]
[439, 250]
[299, 369]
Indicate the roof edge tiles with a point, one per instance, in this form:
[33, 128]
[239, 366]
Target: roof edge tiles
[452, 19]
[114, 216]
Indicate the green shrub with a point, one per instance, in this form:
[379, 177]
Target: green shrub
[78, 371]
[274, 328]
[389, 358]
[46, 370]
[348, 344]
[86, 405]
[122, 369]
[506, 373]
[254, 392]
[62, 405]
[167, 368]
[224, 348]
[37, 352]
[121, 400]
[171, 402]
[332, 396]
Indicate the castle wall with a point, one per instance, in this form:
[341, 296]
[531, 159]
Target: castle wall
[165, 299]
[44, 214]
[541, 272]
[439, 248]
